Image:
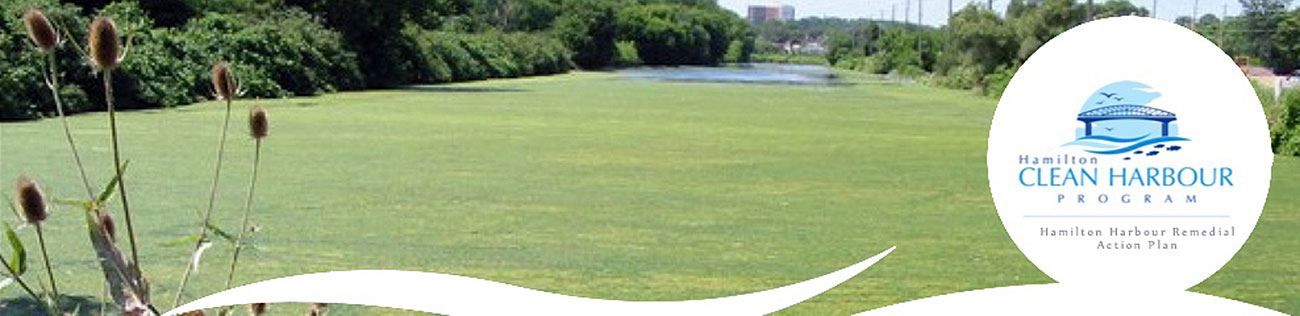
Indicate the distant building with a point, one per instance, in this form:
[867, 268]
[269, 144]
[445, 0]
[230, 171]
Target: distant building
[760, 13]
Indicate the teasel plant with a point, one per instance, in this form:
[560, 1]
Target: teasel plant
[31, 201]
[317, 309]
[259, 128]
[122, 276]
[105, 54]
[29, 205]
[226, 88]
[46, 38]
[257, 309]
[126, 284]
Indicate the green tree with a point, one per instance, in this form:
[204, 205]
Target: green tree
[373, 29]
[1119, 8]
[1041, 21]
[1260, 20]
[590, 29]
[1286, 43]
[668, 34]
[981, 40]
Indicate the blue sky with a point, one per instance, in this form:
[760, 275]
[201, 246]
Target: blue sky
[936, 11]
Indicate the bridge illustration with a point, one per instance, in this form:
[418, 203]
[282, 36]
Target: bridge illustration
[1127, 112]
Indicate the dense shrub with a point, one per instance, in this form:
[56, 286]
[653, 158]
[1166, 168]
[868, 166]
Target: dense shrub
[287, 52]
[963, 77]
[996, 82]
[870, 64]
[668, 34]
[589, 29]
[23, 93]
[458, 56]
[284, 48]
[387, 56]
[1284, 121]
[909, 71]
[626, 54]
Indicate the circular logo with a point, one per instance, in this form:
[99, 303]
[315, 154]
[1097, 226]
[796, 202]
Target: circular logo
[1129, 153]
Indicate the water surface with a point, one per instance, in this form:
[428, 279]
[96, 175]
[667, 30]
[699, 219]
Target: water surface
[787, 74]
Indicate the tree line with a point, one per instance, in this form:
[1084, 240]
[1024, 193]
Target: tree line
[980, 49]
[306, 47]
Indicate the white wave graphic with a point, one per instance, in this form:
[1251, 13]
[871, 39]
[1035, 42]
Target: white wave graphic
[464, 296]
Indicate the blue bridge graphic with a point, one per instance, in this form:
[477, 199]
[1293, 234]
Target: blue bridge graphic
[1127, 112]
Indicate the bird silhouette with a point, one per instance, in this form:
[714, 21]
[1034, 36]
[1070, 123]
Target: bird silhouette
[1110, 129]
[1102, 101]
[1119, 99]
[1109, 95]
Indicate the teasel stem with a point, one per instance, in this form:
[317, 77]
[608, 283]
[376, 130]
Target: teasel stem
[248, 206]
[207, 215]
[117, 163]
[53, 84]
[54, 287]
[26, 288]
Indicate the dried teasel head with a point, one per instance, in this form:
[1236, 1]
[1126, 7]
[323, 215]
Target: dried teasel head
[40, 30]
[106, 222]
[104, 49]
[223, 81]
[257, 309]
[316, 309]
[31, 200]
[257, 123]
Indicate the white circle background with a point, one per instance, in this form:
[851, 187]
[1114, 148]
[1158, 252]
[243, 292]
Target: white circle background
[1217, 109]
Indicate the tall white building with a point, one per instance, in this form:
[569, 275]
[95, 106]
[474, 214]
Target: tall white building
[760, 13]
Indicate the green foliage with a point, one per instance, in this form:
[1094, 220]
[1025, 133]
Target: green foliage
[910, 71]
[307, 47]
[962, 77]
[1285, 127]
[981, 40]
[788, 59]
[667, 34]
[996, 83]
[23, 93]
[1041, 21]
[590, 29]
[1119, 8]
[1260, 18]
[17, 253]
[858, 41]
[626, 54]
[1283, 118]
[373, 31]
[452, 56]
[283, 53]
[898, 49]
[1286, 44]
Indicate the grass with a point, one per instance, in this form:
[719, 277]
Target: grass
[586, 185]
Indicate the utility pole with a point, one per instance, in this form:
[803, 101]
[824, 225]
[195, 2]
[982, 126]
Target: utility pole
[1223, 24]
[1196, 6]
[1091, 13]
[893, 12]
[920, 13]
[949, 10]
[1155, 4]
[990, 5]
[907, 13]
